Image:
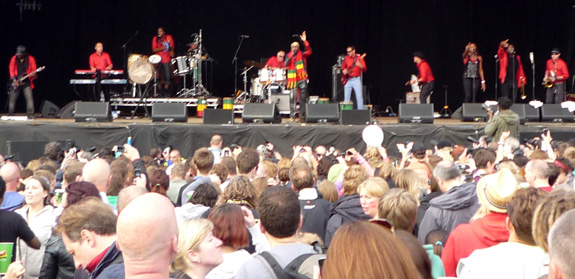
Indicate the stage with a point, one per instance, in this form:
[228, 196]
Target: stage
[26, 138]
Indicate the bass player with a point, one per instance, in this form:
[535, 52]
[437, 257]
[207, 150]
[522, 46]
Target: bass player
[352, 68]
[22, 64]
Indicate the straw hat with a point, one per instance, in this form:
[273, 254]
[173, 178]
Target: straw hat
[494, 191]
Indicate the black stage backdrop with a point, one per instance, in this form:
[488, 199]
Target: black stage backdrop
[61, 35]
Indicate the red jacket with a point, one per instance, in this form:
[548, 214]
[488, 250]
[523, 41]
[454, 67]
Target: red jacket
[31, 68]
[504, 61]
[425, 73]
[560, 69]
[355, 70]
[466, 238]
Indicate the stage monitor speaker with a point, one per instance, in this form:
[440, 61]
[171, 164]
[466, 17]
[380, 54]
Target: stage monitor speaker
[67, 112]
[169, 112]
[261, 113]
[520, 110]
[26, 151]
[532, 114]
[415, 113]
[218, 116]
[49, 109]
[93, 112]
[322, 113]
[281, 101]
[355, 117]
[473, 112]
[555, 113]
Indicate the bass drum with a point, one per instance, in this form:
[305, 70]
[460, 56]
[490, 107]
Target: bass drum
[140, 71]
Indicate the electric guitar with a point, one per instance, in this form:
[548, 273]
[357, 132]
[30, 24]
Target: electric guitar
[18, 82]
[345, 77]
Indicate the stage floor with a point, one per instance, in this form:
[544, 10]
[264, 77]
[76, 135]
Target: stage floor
[25, 139]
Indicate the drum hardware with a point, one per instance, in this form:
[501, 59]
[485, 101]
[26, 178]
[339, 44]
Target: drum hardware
[235, 63]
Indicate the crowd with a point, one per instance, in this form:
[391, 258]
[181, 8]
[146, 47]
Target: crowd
[494, 209]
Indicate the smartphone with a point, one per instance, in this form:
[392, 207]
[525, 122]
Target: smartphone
[137, 173]
[119, 151]
[129, 141]
[348, 153]
[227, 153]
[545, 131]
[302, 150]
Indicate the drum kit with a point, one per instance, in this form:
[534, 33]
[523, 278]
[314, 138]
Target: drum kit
[268, 81]
[141, 69]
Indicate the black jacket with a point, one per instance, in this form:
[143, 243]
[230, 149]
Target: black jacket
[346, 210]
[57, 263]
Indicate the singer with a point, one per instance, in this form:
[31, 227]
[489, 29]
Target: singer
[473, 76]
[163, 45]
[509, 62]
[556, 73]
[297, 78]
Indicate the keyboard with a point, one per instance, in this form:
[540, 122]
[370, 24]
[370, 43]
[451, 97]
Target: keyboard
[93, 81]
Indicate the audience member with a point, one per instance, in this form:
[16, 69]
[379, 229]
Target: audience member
[199, 205]
[159, 182]
[348, 208]
[504, 120]
[247, 162]
[399, 208]
[370, 193]
[97, 172]
[280, 220]
[537, 174]
[548, 210]
[412, 180]
[494, 193]
[177, 180]
[518, 258]
[373, 251]
[10, 173]
[148, 236]
[230, 163]
[328, 191]
[203, 161]
[128, 194]
[455, 206]
[418, 255]
[88, 230]
[561, 247]
[240, 191]
[216, 147]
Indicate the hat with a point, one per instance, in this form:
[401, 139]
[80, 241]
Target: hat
[20, 50]
[555, 50]
[443, 143]
[418, 54]
[495, 191]
[418, 148]
[334, 172]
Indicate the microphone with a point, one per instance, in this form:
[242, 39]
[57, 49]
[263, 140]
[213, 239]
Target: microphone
[531, 57]
[245, 36]
[295, 35]
[496, 57]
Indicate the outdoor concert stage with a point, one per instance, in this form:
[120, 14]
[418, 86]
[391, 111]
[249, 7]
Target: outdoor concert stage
[23, 137]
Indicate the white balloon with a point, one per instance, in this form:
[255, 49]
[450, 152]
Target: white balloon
[372, 135]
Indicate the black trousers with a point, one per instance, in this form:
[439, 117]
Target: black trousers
[303, 94]
[555, 94]
[470, 88]
[29, 100]
[509, 90]
[426, 90]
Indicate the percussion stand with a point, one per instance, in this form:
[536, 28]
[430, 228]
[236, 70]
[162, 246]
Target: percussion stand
[235, 62]
[141, 101]
[245, 78]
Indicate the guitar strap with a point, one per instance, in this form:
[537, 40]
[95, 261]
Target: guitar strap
[353, 64]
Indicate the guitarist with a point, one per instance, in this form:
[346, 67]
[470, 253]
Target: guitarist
[352, 68]
[22, 64]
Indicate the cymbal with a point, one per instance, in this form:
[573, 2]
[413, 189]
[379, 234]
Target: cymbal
[191, 44]
[253, 63]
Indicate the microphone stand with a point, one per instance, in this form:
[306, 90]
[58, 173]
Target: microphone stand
[496, 74]
[235, 62]
[533, 78]
[124, 46]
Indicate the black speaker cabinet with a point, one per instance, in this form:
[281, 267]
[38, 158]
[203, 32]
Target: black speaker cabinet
[281, 101]
[261, 113]
[93, 112]
[169, 112]
[355, 117]
[473, 112]
[49, 109]
[218, 116]
[555, 113]
[532, 114]
[520, 110]
[67, 112]
[415, 113]
[26, 151]
[322, 113]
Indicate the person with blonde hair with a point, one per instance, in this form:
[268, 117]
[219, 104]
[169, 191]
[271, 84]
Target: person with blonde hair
[348, 208]
[399, 208]
[548, 211]
[494, 193]
[374, 252]
[199, 251]
[370, 193]
[412, 181]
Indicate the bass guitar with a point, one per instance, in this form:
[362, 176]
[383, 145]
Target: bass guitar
[15, 84]
[345, 77]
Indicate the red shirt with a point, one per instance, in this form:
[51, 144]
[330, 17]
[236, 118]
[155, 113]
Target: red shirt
[165, 40]
[355, 70]
[503, 62]
[560, 68]
[274, 63]
[305, 55]
[13, 68]
[100, 62]
[425, 73]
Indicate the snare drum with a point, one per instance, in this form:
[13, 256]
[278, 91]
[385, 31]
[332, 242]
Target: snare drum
[279, 75]
[182, 66]
[264, 76]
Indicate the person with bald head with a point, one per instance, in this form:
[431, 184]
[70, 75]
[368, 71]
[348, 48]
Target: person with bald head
[98, 173]
[297, 78]
[216, 147]
[128, 194]
[148, 236]
[10, 172]
[537, 174]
